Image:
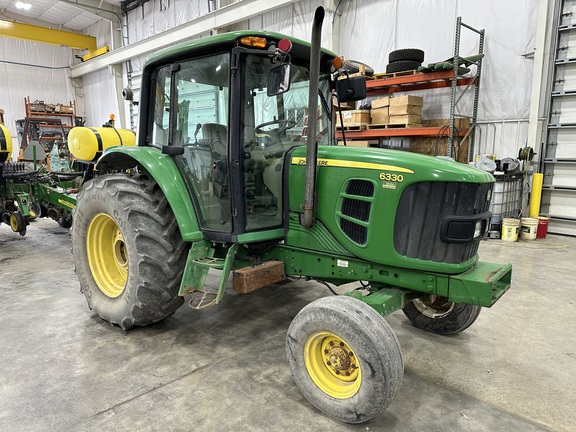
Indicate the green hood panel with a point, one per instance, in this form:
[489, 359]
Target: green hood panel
[384, 174]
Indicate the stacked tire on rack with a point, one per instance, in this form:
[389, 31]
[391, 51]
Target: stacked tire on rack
[404, 60]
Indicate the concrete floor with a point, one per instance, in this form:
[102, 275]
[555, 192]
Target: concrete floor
[225, 368]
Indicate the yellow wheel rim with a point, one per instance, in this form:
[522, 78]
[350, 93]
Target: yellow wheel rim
[332, 365]
[107, 255]
[14, 223]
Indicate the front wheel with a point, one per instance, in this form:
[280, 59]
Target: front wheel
[345, 358]
[439, 315]
[128, 250]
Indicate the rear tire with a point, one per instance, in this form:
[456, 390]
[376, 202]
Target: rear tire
[438, 315]
[128, 250]
[402, 66]
[412, 54]
[345, 358]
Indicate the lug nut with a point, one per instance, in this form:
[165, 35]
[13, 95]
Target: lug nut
[337, 372]
[341, 344]
[326, 351]
[331, 343]
[328, 363]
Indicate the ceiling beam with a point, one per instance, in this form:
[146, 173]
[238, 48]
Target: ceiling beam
[46, 35]
[8, 16]
[223, 17]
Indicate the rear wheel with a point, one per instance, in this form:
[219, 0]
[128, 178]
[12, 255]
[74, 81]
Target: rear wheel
[439, 315]
[128, 250]
[345, 358]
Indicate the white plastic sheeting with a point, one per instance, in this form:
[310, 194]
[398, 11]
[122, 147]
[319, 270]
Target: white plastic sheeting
[368, 31]
[371, 29]
[35, 70]
[157, 16]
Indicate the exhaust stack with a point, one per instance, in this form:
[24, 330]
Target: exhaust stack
[311, 144]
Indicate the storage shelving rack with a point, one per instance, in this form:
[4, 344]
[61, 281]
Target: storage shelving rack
[46, 125]
[427, 81]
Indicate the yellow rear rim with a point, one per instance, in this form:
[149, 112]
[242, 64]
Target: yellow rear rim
[107, 256]
[332, 365]
[14, 223]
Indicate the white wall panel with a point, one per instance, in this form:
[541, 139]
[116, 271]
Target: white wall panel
[27, 69]
[370, 29]
[99, 97]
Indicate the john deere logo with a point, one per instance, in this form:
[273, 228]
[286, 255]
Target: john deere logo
[66, 203]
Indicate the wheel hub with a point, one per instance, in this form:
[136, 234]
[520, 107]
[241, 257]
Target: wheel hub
[434, 306]
[107, 255]
[332, 365]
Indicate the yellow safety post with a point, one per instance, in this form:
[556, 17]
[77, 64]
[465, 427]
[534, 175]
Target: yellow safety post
[536, 195]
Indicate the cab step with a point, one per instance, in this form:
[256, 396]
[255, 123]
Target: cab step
[200, 260]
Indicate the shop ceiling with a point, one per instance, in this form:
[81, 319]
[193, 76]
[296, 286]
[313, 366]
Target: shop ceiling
[58, 14]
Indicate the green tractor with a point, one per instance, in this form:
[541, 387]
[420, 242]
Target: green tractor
[236, 169]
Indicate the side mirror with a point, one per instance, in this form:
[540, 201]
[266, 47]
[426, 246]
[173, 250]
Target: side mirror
[278, 80]
[351, 89]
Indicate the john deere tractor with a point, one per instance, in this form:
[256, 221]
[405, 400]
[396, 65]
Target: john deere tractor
[236, 170]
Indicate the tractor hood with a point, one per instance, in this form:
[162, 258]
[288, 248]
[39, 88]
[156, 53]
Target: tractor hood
[433, 211]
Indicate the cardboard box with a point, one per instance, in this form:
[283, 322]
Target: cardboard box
[354, 117]
[359, 143]
[350, 105]
[406, 100]
[407, 119]
[459, 122]
[381, 102]
[406, 109]
[379, 116]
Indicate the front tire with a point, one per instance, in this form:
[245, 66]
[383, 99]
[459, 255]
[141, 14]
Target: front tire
[128, 250]
[345, 358]
[438, 315]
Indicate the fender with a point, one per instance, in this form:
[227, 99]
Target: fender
[165, 172]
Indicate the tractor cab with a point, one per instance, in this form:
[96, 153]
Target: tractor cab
[229, 118]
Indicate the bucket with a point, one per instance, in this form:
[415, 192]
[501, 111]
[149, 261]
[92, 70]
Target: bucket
[528, 228]
[542, 227]
[510, 229]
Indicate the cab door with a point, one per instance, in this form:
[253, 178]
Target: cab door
[191, 112]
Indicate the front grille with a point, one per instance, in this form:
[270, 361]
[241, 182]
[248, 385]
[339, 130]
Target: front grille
[421, 210]
[357, 209]
[360, 188]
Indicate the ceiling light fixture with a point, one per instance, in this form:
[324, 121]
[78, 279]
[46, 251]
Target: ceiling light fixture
[21, 5]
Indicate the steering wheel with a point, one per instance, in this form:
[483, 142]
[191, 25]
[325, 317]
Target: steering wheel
[283, 126]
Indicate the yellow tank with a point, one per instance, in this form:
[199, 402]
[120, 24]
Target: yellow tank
[87, 144]
[5, 144]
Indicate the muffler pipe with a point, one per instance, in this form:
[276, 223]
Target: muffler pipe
[311, 143]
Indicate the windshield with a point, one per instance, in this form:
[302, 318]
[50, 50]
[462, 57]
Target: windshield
[271, 125]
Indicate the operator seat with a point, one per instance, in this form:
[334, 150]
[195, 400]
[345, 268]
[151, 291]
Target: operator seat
[216, 137]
